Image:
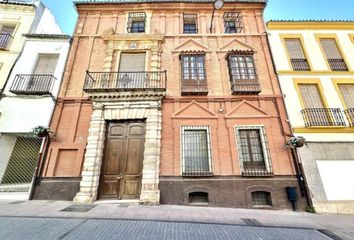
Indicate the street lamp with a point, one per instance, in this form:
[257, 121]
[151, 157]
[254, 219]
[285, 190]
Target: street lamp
[218, 4]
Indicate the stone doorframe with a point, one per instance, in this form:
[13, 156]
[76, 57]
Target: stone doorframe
[105, 111]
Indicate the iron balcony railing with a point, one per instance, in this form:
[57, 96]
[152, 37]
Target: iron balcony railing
[337, 65]
[194, 87]
[33, 84]
[5, 39]
[256, 169]
[125, 81]
[323, 117]
[300, 64]
[350, 116]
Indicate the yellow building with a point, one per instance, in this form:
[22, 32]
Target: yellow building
[16, 19]
[315, 66]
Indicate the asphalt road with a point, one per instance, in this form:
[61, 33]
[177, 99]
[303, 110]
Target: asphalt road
[77, 228]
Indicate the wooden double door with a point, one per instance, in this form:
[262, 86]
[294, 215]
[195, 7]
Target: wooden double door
[123, 161]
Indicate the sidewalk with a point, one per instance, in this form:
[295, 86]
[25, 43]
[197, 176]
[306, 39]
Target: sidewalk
[341, 225]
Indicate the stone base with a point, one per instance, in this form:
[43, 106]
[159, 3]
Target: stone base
[229, 191]
[81, 198]
[57, 188]
[150, 197]
[341, 207]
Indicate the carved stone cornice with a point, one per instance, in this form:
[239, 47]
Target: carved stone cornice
[127, 96]
[109, 35]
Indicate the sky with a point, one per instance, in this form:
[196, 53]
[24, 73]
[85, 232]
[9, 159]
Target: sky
[66, 15]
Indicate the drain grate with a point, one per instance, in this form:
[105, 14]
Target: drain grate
[251, 222]
[78, 208]
[17, 202]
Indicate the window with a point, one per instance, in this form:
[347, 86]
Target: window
[190, 23]
[261, 198]
[196, 151]
[243, 76]
[198, 198]
[253, 151]
[193, 74]
[132, 71]
[41, 80]
[333, 55]
[315, 112]
[347, 92]
[296, 55]
[233, 22]
[6, 35]
[136, 22]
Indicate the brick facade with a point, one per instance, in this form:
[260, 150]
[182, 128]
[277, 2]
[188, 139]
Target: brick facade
[100, 38]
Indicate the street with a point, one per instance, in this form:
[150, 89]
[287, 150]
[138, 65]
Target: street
[66, 228]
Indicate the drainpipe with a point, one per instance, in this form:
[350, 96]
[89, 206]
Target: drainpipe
[37, 178]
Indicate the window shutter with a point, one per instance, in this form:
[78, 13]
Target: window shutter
[294, 48]
[132, 62]
[8, 29]
[330, 48]
[46, 64]
[311, 96]
[347, 91]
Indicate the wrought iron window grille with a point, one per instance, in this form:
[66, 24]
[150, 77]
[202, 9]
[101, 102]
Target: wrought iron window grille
[323, 117]
[190, 23]
[261, 198]
[253, 150]
[233, 22]
[196, 151]
[136, 22]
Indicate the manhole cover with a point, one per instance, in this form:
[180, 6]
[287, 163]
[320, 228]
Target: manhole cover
[78, 208]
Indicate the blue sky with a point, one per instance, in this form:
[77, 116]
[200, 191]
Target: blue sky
[276, 9]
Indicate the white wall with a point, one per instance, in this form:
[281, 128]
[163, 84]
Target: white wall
[22, 113]
[338, 179]
[315, 56]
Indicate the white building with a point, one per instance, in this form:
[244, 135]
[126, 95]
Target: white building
[28, 100]
[315, 66]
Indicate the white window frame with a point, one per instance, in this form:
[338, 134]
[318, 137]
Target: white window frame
[265, 147]
[182, 154]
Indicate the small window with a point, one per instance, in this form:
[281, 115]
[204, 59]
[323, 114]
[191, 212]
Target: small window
[261, 198]
[198, 198]
[253, 151]
[6, 35]
[233, 22]
[333, 55]
[136, 22]
[190, 23]
[296, 55]
[196, 151]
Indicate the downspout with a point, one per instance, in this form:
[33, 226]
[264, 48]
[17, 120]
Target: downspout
[298, 166]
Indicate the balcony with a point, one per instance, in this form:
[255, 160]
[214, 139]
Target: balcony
[321, 117]
[5, 39]
[350, 116]
[300, 64]
[245, 86]
[32, 84]
[125, 81]
[194, 87]
[337, 65]
[256, 169]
